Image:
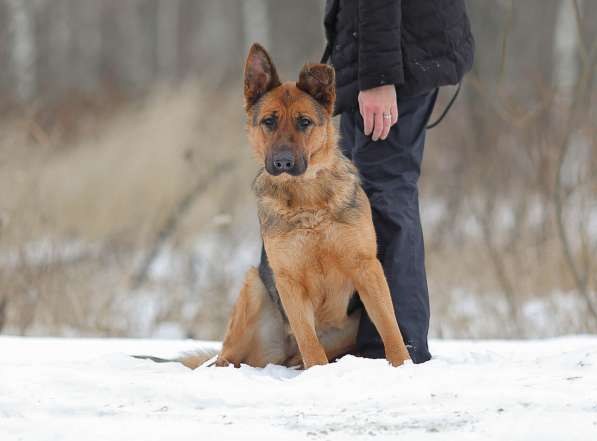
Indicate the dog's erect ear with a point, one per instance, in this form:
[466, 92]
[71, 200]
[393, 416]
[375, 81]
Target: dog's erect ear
[319, 81]
[260, 75]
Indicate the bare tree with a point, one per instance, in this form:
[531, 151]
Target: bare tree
[167, 38]
[581, 269]
[256, 22]
[87, 47]
[23, 51]
[59, 44]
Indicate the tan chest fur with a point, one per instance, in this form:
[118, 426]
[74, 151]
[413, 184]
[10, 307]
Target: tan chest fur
[312, 252]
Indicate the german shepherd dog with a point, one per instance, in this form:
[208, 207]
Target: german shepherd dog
[318, 236]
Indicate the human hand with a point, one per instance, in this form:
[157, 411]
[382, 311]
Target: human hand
[379, 109]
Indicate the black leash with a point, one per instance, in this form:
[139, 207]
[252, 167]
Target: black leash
[445, 112]
[328, 52]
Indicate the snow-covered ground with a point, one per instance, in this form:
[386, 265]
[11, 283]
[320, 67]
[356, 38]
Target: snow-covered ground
[90, 389]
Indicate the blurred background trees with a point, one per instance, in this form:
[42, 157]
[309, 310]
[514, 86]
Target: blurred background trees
[125, 203]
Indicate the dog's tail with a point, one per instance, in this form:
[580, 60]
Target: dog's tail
[192, 359]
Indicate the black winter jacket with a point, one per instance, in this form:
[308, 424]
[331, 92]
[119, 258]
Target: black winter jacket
[418, 45]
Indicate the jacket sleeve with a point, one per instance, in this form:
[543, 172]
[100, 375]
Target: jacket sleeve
[380, 55]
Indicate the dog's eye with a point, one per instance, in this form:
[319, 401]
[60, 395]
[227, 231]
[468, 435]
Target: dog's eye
[304, 122]
[269, 122]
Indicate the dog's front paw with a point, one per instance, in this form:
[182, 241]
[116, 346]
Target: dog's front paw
[397, 362]
[315, 361]
[222, 362]
[398, 358]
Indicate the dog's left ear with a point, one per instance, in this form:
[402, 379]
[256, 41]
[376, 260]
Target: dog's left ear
[319, 81]
[260, 75]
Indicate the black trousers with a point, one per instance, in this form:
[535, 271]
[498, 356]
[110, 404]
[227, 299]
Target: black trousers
[389, 172]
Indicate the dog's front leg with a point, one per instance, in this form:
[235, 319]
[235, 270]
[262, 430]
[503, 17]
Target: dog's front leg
[299, 311]
[370, 282]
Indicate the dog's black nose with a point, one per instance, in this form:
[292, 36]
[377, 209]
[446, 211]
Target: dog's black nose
[283, 161]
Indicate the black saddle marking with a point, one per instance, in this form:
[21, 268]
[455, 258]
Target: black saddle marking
[267, 277]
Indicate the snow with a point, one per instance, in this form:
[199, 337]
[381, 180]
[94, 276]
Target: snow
[91, 389]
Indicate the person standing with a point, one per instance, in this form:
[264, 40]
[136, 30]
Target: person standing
[390, 57]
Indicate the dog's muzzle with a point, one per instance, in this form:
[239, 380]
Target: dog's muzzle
[285, 160]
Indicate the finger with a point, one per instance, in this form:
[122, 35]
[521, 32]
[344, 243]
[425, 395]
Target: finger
[394, 112]
[367, 121]
[387, 123]
[378, 127]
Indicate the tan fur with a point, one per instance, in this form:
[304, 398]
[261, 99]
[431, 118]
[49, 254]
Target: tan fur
[195, 359]
[317, 232]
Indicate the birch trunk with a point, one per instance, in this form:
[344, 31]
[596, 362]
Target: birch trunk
[256, 22]
[23, 50]
[167, 38]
